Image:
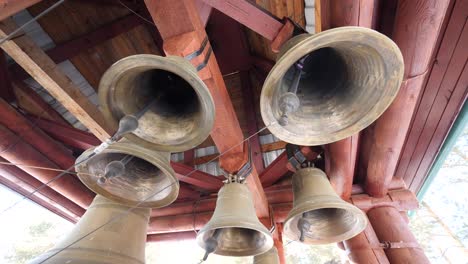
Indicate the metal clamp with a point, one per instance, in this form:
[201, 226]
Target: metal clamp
[199, 51]
[297, 159]
[241, 175]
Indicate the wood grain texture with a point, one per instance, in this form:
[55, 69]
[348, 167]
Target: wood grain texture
[390, 226]
[417, 27]
[11, 7]
[75, 19]
[443, 95]
[31, 57]
[182, 31]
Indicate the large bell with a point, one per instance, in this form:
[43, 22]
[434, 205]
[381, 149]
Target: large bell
[180, 109]
[234, 229]
[269, 257]
[108, 233]
[130, 174]
[331, 85]
[319, 215]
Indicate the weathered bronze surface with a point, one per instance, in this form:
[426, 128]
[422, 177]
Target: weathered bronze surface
[270, 257]
[147, 173]
[328, 218]
[350, 76]
[121, 241]
[235, 225]
[181, 109]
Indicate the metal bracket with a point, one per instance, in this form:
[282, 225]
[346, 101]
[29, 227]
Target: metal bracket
[298, 160]
[205, 61]
[241, 175]
[199, 51]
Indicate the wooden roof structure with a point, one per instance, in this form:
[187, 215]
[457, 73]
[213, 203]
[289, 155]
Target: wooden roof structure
[384, 164]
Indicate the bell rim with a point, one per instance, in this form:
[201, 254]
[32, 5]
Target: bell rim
[295, 53]
[168, 63]
[268, 244]
[139, 152]
[305, 207]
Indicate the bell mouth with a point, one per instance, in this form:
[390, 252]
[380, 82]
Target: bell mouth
[141, 183]
[238, 242]
[180, 111]
[350, 75]
[326, 225]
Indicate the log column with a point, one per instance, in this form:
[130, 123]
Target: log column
[392, 230]
[364, 248]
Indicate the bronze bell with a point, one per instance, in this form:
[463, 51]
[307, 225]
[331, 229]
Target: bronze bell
[121, 241]
[234, 229]
[130, 174]
[178, 108]
[331, 85]
[270, 257]
[319, 215]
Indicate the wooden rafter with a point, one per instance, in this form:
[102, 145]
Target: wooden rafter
[31, 57]
[9, 8]
[74, 47]
[183, 33]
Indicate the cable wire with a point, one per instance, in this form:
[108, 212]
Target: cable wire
[126, 212]
[12, 34]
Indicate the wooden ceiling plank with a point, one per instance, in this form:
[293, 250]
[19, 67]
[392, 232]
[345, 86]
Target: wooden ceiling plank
[31, 57]
[9, 8]
[74, 47]
[6, 88]
[250, 15]
[392, 127]
[183, 32]
[444, 57]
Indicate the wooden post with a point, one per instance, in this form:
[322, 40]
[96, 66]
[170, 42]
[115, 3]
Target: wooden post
[278, 242]
[393, 230]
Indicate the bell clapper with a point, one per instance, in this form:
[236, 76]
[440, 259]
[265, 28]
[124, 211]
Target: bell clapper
[289, 102]
[211, 244]
[303, 225]
[115, 168]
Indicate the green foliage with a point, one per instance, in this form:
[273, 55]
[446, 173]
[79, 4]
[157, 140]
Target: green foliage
[38, 240]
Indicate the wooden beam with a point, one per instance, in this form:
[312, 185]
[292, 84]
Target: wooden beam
[29, 101]
[249, 15]
[362, 248]
[252, 127]
[278, 242]
[74, 47]
[229, 43]
[340, 162]
[204, 10]
[31, 57]
[6, 89]
[11, 7]
[183, 33]
[390, 226]
[197, 178]
[392, 127]
[66, 134]
[275, 170]
[23, 183]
